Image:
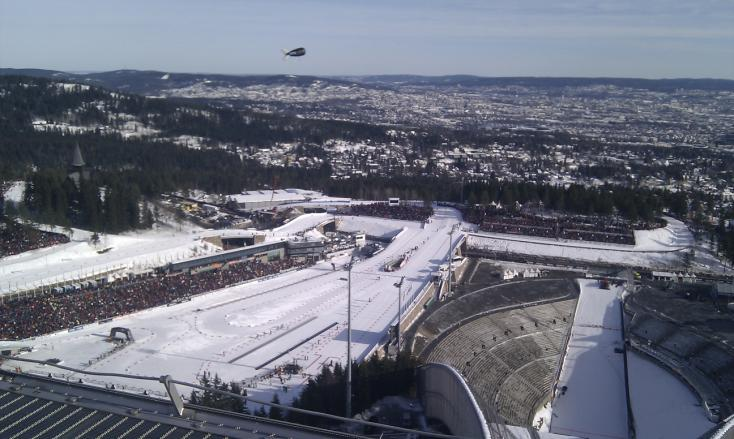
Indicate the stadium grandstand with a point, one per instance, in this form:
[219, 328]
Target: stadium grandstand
[505, 339]
[402, 211]
[573, 227]
[17, 238]
[510, 359]
[98, 302]
[704, 364]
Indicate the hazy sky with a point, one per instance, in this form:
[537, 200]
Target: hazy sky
[640, 38]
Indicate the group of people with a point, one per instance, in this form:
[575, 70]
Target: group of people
[33, 316]
[406, 212]
[17, 238]
[581, 228]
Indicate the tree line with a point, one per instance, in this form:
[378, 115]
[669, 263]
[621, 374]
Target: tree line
[372, 380]
[633, 203]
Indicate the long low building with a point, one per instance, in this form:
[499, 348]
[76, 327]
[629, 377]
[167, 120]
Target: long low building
[267, 199]
[311, 250]
[268, 250]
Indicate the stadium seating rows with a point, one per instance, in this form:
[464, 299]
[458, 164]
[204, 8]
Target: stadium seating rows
[383, 210]
[578, 227]
[713, 361]
[19, 319]
[16, 238]
[509, 358]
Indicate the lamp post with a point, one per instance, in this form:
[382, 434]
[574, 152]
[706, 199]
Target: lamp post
[450, 256]
[399, 286]
[349, 337]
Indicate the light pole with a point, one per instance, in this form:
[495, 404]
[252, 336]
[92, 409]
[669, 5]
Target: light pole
[349, 337]
[399, 286]
[450, 256]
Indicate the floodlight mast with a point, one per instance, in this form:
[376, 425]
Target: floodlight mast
[450, 257]
[349, 337]
[399, 286]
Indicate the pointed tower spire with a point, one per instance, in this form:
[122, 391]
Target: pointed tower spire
[77, 161]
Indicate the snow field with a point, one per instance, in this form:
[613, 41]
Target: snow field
[238, 331]
[594, 405]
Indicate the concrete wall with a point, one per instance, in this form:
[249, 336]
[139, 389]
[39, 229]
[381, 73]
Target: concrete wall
[446, 397]
[418, 309]
[725, 430]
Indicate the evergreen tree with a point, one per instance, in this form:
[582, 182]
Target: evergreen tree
[276, 412]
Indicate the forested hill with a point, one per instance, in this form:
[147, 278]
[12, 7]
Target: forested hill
[152, 82]
[138, 147]
[41, 120]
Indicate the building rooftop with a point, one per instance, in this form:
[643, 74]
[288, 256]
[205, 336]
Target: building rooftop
[35, 407]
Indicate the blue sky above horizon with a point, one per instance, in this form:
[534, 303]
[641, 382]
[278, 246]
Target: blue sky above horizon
[622, 38]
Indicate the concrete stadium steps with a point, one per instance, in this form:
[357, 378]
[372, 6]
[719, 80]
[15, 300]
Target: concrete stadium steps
[516, 400]
[684, 343]
[541, 373]
[651, 328]
[513, 354]
[725, 380]
[712, 360]
[708, 366]
[508, 360]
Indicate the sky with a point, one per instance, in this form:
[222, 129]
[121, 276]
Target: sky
[617, 38]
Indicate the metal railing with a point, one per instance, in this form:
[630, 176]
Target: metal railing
[167, 381]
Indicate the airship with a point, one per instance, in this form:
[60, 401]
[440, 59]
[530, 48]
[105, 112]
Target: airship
[295, 52]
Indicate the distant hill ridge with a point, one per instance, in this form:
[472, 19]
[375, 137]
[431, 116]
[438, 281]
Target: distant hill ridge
[152, 81]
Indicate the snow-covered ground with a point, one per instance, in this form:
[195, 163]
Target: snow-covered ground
[79, 258]
[301, 223]
[594, 405]
[663, 407]
[238, 331]
[371, 227]
[15, 192]
[664, 248]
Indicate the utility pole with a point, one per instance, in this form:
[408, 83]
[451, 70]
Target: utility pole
[399, 286]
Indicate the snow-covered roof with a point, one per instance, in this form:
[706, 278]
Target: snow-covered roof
[278, 195]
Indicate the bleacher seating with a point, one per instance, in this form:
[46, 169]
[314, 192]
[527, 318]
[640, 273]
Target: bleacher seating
[683, 343]
[651, 328]
[16, 238]
[703, 362]
[509, 358]
[574, 227]
[712, 360]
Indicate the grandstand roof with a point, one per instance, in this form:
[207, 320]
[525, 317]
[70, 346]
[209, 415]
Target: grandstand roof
[228, 255]
[34, 407]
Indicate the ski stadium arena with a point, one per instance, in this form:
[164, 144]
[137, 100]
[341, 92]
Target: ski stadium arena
[518, 336]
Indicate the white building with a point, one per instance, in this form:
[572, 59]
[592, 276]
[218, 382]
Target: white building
[267, 199]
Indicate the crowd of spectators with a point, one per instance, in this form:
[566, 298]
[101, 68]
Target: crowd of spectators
[33, 316]
[576, 227]
[18, 238]
[407, 212]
